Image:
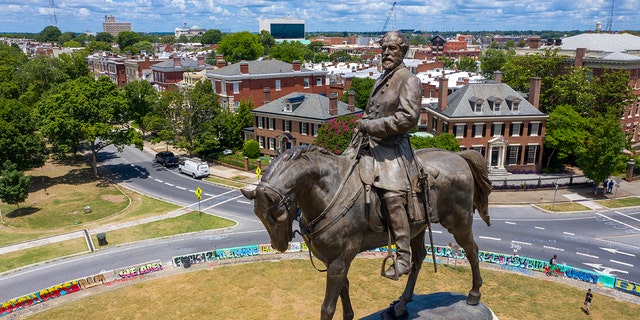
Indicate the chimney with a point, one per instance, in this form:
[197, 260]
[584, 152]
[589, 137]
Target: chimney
[370, 73]
[580, 53]
[534, 91]
[497, 76]
[352, 101]
[220, 63]
[200, 60]
[443, 89]
[296, 65]
[244, 67]
[266, 95]
[176, 61]
[333, 104]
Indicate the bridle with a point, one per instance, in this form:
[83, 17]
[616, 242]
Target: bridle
[284, 201]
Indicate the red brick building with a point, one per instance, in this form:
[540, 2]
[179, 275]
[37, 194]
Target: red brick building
[264, 81]
[168, 73]
[497, 121]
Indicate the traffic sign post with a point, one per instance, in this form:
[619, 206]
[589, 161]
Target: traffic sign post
[259, 173]
[198, 193]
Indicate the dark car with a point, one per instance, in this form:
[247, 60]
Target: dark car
[167, 159]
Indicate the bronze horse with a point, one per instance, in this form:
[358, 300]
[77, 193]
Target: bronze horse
[330, 196]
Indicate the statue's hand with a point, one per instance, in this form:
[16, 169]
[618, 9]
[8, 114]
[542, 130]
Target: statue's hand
[361, 126]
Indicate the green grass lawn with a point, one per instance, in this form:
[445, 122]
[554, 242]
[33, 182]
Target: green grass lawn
[619, 203]
[563, 207]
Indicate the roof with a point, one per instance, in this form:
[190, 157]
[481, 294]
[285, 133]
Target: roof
[185, 63]
[607, 42]
[258, 69]
[458, 103]
[311, 106]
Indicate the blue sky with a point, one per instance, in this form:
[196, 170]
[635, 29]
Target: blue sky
[323, 15]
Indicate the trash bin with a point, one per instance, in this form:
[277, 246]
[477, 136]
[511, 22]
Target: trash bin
[102, 239]
[186, 262]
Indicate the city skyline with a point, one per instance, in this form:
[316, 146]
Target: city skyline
[324, 15]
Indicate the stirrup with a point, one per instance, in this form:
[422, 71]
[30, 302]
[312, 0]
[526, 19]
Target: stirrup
[396, 274]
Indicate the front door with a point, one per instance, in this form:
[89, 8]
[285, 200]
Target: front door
[494, 156]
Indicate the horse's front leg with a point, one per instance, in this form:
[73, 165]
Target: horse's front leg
[347, 309]
[336, 282]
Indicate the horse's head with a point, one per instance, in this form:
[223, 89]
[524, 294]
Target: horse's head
[276, 210]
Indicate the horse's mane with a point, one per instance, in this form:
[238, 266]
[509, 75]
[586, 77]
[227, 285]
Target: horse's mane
[295, 153]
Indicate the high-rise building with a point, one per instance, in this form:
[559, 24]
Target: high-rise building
[284, 29]
[111, 26]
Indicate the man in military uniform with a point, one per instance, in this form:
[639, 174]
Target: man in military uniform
[392, 111]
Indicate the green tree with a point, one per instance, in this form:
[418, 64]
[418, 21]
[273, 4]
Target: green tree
[340, 56]
[182, 39]
[361, 88]
[566, 133]
[316, 46]
[448, 63]
[510, 44]
[14, 185]
[251, 149]
[141, 98]
[145, 46]
[492, 60]
[167, 39]
[49, 34]
[267, 41]
[601, 155]
[71, 44]
[336, 134]
[240, 46]
[467, 64]
[89, 112]
[11, 60]
[127, 38]
[104, 37]
[65, 37]
[211, 36]
[445, 141]
[19, 133]
[95, 46]
[290, 51]
[321, 57]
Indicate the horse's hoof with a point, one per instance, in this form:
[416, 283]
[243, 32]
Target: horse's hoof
[389, 314]
[473, 298]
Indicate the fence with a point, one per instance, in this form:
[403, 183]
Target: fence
[533, 181]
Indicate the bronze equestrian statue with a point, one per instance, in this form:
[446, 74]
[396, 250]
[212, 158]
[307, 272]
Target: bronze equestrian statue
[379, 187]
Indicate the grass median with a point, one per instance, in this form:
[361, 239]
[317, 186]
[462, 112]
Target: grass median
[292, 289]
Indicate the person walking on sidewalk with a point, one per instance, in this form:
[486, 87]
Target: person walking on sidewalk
[587, 301]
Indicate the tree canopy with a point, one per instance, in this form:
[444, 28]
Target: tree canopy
[127, 38]
[240, 46]
[211, 36]
[361, 88]
[289, 51]
[19, 133]
[14, 185]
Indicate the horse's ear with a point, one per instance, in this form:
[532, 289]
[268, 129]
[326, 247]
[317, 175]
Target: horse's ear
[249, 192]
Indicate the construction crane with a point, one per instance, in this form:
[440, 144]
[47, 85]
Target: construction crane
[53, 19]
[386, 22]
[610, 18]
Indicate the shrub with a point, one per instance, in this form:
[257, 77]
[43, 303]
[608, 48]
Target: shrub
[251, 149]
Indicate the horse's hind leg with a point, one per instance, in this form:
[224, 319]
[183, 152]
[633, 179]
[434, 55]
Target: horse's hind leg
[337, 286]
[418, 253]
[464, 237]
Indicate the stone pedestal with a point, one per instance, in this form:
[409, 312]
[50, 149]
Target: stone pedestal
[444, 306]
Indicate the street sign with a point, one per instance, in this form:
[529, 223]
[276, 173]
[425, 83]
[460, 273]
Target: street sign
[198, 193]
[258, 172]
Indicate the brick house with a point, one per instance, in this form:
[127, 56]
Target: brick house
[167, 74]
[497, 121]
[135, 65]
[110, 65]
[294, 119]
[264, 81]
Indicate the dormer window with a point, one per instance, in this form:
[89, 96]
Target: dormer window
[513, 103]
[476, 104]
[494, 103]
[292, 103]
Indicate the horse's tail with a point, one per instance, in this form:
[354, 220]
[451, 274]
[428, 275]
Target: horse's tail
[481, 182]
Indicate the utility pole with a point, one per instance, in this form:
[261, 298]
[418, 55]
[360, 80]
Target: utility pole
[53, 19]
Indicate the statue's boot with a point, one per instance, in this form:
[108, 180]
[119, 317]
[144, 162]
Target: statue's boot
[399, 225]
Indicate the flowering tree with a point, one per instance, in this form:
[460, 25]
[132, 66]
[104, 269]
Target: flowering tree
[336, 134]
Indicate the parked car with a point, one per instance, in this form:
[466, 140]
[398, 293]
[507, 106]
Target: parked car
[167, 158]
[227, 152]
[194, 167]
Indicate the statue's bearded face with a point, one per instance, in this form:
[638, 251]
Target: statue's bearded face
[392, 53]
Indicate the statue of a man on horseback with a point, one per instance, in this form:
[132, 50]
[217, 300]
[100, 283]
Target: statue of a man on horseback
[385, 153]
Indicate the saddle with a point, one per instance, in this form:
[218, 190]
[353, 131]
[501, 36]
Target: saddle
[421, 199]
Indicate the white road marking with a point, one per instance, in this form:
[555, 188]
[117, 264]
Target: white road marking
[490, 238]
[554, 248]
[587, 255]
[181, 188]
[627, 216]
[620, 222]
[622, 263]
[569, 233]
[244, 201]
[520, 242]
[158, 180]
[614, 251]
[509, 222]
[539, 228]
[169, 184]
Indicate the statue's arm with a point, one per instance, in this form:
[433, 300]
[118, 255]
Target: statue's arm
[406, 115]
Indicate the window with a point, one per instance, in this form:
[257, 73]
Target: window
[497, 129]
[445, 127]
[434, 123]
[303, 129]
[278, 85]
[513, 155]
[261, 142]
[460, 130]
[223, 87]
[236, 105]
[480, 149]
[319, 82]
[478, 130]
[315, 129]
[532, 153]
[272, 143]
[214, 84]
[534, 129]
[516, 129]
[287, 125]
[515, 106]
[272, 124]
[477, 107]
[306, 83]
[260, 121]
[236, 87]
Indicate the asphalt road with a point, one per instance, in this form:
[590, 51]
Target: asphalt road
[604, 241]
